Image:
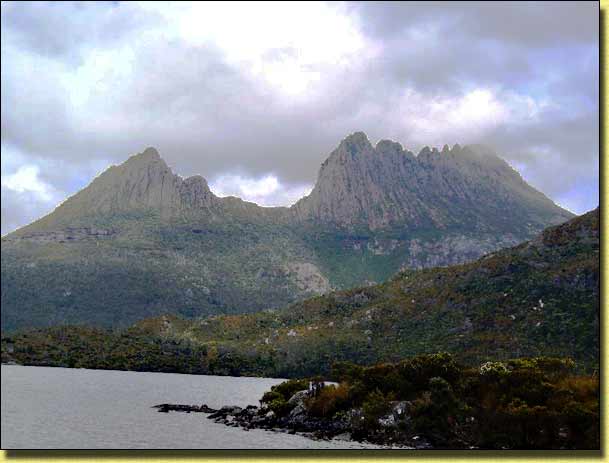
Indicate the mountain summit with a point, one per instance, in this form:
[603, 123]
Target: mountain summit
[144, 181]
[386, 186]
[141, 240]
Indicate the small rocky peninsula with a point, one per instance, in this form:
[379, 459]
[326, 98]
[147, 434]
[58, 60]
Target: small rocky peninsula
[299, 421]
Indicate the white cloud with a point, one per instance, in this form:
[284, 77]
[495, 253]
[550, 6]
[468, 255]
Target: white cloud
[264, 191]
[281, 43]
[465, 117]
[26, 179]
[25, 196]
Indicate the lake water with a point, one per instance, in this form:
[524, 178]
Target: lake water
[63, 408]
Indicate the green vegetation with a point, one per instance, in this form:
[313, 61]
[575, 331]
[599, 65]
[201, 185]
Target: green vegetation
[188, 268]
[192, 268]
[79, 347]
[277, 398]
[538, 299]
[527, 403]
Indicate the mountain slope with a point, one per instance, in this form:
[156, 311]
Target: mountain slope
[140, 241]
[540, 298]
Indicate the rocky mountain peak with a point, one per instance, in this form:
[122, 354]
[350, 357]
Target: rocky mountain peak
[150, 156]
[385, 186]
[425, 151]
[388, 147]
[354, 144]
[150, 153]
[196, 180]
[356, 138]
[143, 181]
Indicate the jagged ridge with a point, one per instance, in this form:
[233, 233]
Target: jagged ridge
[358, 186]
[386, 186]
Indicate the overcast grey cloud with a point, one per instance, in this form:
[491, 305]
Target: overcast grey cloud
[254, 97]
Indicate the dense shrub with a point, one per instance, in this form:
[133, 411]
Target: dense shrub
[329, 400]
[277, 398]
[437, 411]
[288, 388]
[376, 406]
[526, 403]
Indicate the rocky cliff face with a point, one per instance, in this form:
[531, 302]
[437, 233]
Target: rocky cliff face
[359, 184]
[385, 186]
[142, 182]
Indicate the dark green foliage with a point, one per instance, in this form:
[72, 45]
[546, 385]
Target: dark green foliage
[288, 388]
[375, 405]
[526, 403]
[133, 349]
[435, 412]
[277, 398]
[536, 403]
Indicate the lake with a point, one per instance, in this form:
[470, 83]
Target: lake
[63, 408]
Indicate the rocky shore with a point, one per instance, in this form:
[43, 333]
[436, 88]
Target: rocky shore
[298, 421]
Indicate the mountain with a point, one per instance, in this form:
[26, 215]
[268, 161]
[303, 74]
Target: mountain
[540, 298]
[144, 183]
[140, 240]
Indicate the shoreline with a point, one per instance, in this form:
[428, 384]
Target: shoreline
[245, 419]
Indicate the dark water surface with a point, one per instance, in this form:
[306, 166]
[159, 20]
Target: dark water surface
[63, 408]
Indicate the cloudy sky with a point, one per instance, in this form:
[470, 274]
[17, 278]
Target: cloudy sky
[255, 96]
